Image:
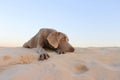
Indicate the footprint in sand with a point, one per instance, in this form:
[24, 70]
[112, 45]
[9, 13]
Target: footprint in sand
[80, 68]
[6, 58]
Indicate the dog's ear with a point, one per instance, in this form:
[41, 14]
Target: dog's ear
[54, 38]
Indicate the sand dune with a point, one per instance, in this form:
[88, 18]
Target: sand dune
[83, 64]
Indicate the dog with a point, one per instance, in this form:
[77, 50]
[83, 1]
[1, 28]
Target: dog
[49, 39]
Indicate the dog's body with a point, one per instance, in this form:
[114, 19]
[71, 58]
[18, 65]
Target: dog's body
[50, 39]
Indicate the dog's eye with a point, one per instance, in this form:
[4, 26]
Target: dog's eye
[67, 39]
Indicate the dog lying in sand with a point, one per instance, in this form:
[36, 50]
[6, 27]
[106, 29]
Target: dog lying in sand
[49, 39]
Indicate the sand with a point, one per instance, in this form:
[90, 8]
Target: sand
[84, 64]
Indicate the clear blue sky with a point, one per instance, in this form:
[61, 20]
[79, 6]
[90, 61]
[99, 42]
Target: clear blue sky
[86, 22]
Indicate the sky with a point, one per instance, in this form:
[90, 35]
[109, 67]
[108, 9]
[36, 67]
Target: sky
[88, 23]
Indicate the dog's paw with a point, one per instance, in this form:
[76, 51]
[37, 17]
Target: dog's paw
[60, 52]
[44, 56]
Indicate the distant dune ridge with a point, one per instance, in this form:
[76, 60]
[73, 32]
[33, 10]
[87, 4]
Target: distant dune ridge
[84, 64]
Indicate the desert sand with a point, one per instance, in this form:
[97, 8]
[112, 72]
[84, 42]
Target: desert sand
[84, 64]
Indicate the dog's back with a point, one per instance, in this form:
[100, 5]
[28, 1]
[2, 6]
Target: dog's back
[42, 34]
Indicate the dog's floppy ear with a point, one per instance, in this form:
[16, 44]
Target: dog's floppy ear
[53, 39]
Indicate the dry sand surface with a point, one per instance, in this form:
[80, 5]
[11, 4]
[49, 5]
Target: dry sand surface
[83, 64]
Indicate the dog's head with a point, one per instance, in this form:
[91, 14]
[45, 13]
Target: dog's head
[60, 41]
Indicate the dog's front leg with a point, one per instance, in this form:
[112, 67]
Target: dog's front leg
[40, 50]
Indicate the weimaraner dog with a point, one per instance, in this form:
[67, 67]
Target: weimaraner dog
[49, 39]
